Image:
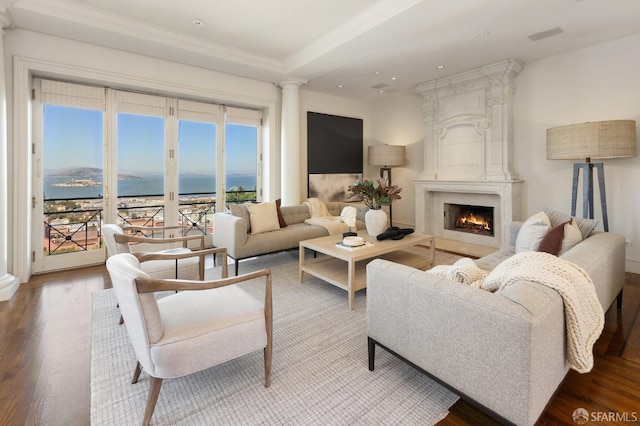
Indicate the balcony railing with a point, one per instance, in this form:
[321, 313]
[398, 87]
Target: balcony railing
[74, 224]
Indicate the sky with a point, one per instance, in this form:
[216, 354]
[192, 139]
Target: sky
[73, 138]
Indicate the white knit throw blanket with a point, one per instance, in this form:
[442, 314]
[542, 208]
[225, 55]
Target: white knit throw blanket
[464, 271]
[584, 317]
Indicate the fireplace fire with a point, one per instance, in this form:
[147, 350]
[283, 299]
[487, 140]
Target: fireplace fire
[467, 218]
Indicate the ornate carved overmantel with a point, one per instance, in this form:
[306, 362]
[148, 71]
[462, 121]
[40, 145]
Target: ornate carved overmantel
[469, 124]
[468, 149]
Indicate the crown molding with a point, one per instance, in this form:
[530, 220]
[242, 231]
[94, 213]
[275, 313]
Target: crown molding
[107, 22]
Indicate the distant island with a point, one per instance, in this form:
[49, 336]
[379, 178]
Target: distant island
[82, 176]
[77, 183]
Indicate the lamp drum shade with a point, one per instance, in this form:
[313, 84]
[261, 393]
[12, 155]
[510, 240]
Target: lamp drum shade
[387, 155]
[597, 140]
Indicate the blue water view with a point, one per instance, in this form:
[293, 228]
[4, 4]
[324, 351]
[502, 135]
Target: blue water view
[60, 187]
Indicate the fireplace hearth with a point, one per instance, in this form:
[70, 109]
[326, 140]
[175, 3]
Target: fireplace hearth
[469, 218]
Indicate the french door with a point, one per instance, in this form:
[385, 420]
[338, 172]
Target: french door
[108, 156]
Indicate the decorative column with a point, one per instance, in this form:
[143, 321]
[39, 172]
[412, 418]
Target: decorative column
[290, 174]
[8, 283]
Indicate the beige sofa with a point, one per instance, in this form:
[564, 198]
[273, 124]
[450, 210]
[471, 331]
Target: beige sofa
[504, 353]
[234, 232]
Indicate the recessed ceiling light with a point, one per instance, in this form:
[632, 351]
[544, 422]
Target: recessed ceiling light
[440, 67]
[483, 33]
[340, 86]
[377, 72]
[198, 22]
[381, 91]
[393, 78]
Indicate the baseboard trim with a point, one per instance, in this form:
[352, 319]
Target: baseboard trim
[633, 266]
[8, 286]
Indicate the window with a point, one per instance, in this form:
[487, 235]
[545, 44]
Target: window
[112, 156]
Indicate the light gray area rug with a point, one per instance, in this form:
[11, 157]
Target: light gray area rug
[319, 374]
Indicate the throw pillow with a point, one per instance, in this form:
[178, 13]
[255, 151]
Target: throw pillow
[532, 232]
[552, 242]
[281, 220]
[264, 217]
[585, 225]
[572, 236]
[240, 210]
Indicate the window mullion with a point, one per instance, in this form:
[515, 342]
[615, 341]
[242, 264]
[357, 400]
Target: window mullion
[171, 163]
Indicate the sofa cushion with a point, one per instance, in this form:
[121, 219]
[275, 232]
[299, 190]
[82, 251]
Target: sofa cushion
[241, 210]
[532, 232]
[263, 217]
[572, 236]
[585, 225]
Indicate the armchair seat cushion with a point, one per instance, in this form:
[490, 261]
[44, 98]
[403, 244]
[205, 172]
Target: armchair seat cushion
[188, 269]
[220, 324]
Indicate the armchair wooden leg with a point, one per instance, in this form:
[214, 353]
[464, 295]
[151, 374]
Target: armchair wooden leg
[201, 267]
[154, 391]
[136, 373]
[267, 365]
[268, 312]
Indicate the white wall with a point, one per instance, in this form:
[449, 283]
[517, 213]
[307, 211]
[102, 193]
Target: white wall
[597, 83]
[399, 121]
[334, 105]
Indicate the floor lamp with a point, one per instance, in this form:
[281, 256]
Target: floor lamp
[592, 140]
[387, 156]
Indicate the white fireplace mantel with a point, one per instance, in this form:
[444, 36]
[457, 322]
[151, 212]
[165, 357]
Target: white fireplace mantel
[429, 209]
[468, 149]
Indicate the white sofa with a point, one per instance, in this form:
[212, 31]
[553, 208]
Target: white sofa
[234, 232]
[504, 353]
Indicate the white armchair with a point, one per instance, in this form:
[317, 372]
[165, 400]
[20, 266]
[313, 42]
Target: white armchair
[190, 268]
[205, 324]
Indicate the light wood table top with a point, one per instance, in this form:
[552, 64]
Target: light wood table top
[346, 267]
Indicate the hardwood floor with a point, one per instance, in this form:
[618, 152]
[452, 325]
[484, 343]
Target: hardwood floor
[45, 347]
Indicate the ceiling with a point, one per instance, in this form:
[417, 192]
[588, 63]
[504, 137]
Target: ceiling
[372, 48]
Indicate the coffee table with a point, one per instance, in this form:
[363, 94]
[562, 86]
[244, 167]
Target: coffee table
[346, 268]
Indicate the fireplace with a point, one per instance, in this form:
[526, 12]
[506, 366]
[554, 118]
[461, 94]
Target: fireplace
[501, 198]
[468, 156]
[468, 218]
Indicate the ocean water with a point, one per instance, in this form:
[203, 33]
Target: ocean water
[153, 185]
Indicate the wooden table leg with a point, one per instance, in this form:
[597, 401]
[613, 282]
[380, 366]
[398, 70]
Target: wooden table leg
[301, 272]
[351, 277]
[432, 249]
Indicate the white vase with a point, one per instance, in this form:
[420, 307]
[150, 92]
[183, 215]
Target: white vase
[376, 221]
